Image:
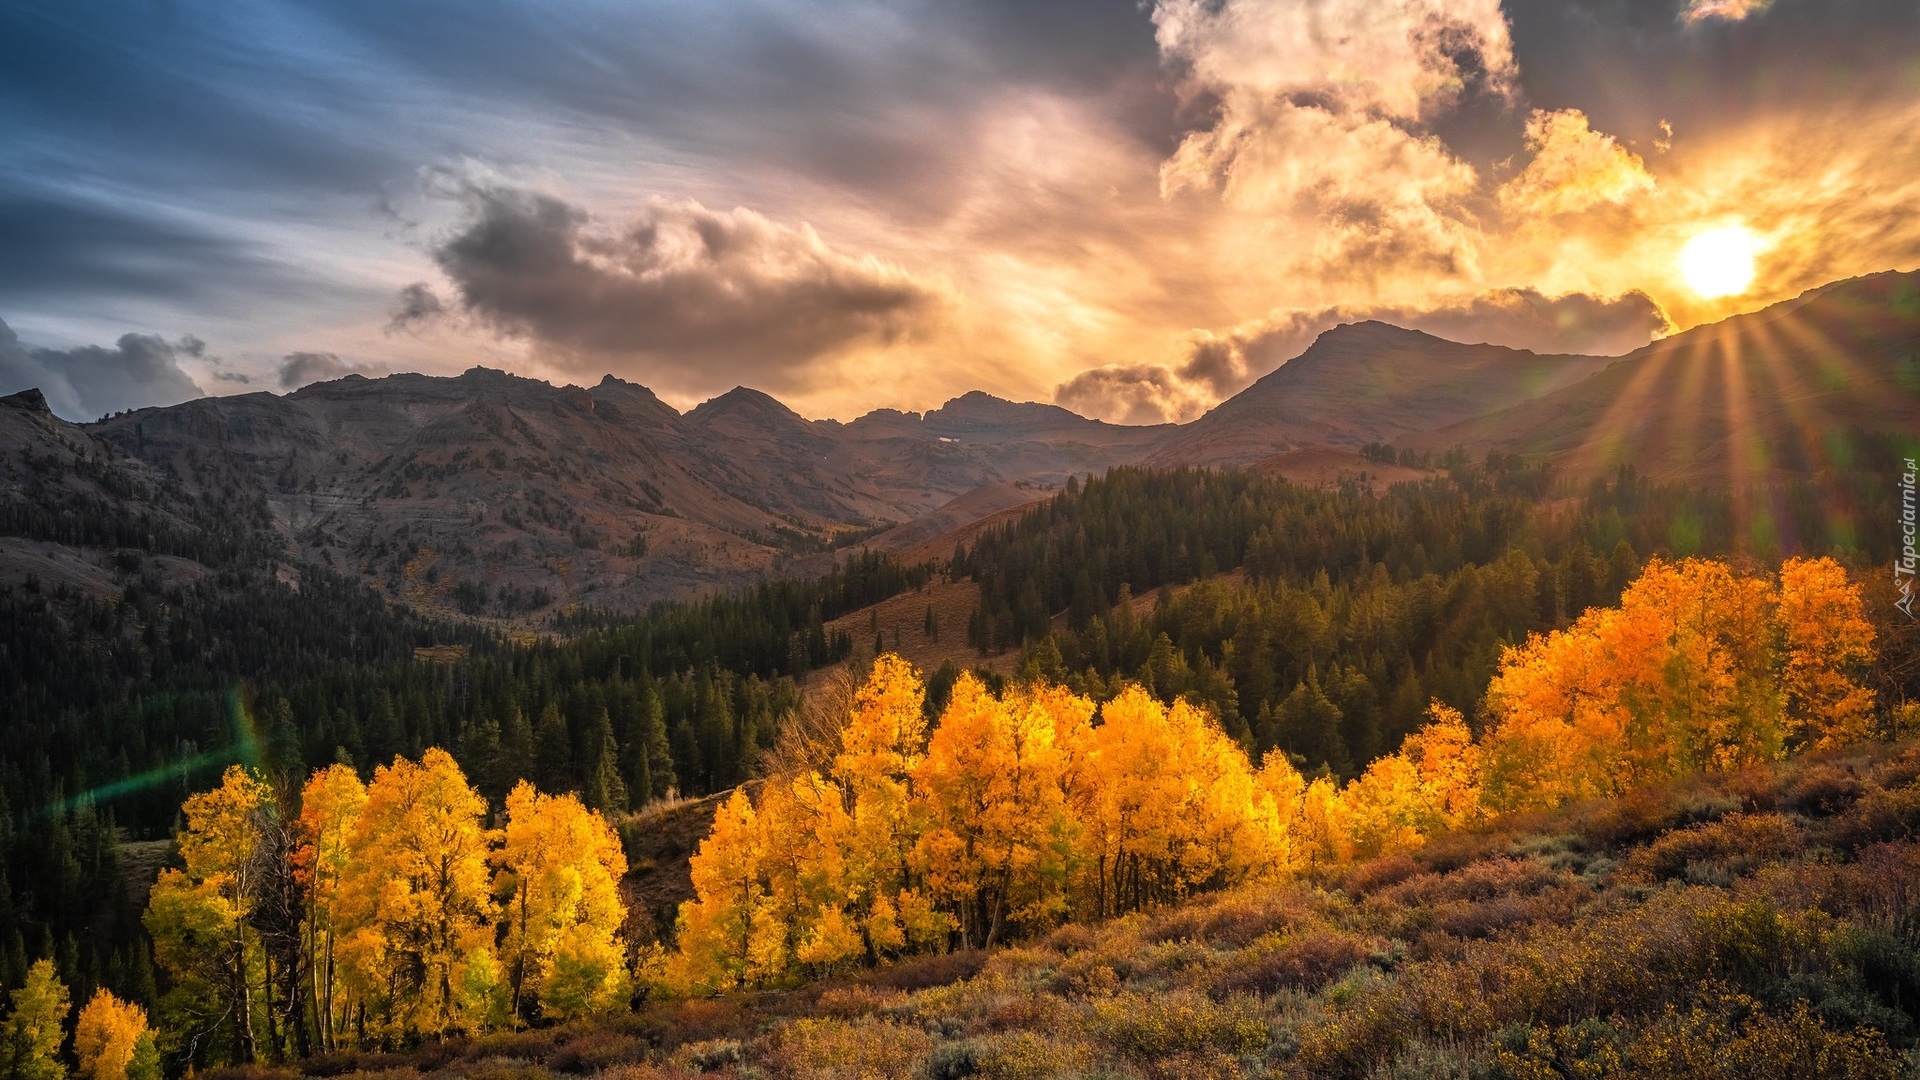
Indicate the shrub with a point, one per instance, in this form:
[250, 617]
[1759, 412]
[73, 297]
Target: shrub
[1307, 961]
[863, 1048]
[1151, 1028]
[1736, 844]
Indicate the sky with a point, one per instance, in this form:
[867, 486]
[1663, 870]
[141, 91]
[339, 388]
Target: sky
[1131, 209]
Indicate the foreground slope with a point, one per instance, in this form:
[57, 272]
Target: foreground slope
[1757, 924]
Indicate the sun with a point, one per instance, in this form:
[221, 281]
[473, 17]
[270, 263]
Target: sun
[1719, 262]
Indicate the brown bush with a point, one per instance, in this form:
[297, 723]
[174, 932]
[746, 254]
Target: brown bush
[1307, 961]
[922, 972]
[1376, 874]
[1823, 788]
[1069, 939]
[595, 1050]
[1737, 844]
[1879, 815]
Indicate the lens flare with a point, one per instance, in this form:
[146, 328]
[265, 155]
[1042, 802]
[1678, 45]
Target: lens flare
[1719, 262]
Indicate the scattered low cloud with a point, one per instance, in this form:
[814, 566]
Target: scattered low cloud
[1220, 364]
[305, 368]
[691, 296]
[90, 381]
[1727, 10]
[416, 305]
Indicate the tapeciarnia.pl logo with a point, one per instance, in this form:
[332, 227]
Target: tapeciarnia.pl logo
[1905, 566]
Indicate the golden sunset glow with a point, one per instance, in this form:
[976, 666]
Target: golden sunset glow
[1719, 262]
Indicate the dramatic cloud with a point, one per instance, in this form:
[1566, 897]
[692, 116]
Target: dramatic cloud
[91, 381]
[1137, 394]
[703, 297]
[1574, 168]
[1218, 365]
[1322, 111]
[1003, 194]
[303, 368]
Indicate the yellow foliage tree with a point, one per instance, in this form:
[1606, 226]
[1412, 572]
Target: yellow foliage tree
[880, 748]
[109, 1039]
[716, 926]
[1829, 644]
[999, 841]
[33, 1030]
[415, 907]
[559, 871]
[330, 806]
[198, 916]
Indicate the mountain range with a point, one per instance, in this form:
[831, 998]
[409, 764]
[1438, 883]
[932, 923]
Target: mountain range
[505, 497]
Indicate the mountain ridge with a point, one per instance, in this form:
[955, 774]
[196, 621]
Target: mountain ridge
[525, 495]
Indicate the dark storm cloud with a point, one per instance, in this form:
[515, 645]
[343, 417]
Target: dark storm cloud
[711, 298]
[1220, 365]
[88, 382]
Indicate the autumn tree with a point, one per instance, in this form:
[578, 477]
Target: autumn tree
[414, 905]
[716, 926]
[1000, 841]
[199, 917]
[880, 748]
[1829, 647]
[112, 1041]
[33, 1029]
[330, 806]
[559, 869]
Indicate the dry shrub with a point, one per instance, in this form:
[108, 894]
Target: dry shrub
[1085, 975]
[864, 1048]
[847, 1002]
[1232, 921]
[1733, 1039]
[1737, 844]
[1151, 1028]
[922, 972]
[1020, 1012]
[1375, 874]
[1899, 771]
[1069, 939]
[1879, 815]
[644, 1072]
[1480, 881]
[503, 1069]
[1883, 884]
[1306, 961]
[594, 1050]
[1823, 788]
[1026, 1055]
[1643, 815]
[706, 1020]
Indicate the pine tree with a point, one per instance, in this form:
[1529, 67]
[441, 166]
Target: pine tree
[553, 752]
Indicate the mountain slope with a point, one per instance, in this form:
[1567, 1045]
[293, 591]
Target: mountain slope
[1367, 382]
[1749, 400]
[501, 495]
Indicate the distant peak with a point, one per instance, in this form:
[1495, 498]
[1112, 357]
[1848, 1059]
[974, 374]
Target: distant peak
[743, 401]
[31, 400]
